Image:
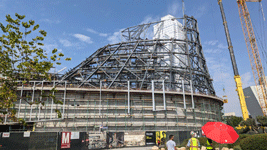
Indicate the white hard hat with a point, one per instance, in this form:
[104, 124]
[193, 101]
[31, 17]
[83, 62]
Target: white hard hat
[192, 132]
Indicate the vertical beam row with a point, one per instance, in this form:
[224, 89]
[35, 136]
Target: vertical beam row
[64, 100]
[52, 102]
[41, 97]
[153, 96]
[100, 98]
[164, 99]
[129, 107]
[20, 99]
[32, 100]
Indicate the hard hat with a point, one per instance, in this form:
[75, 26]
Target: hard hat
[192, 132]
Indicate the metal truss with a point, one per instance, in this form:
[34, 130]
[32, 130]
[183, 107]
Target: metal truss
[141, 60]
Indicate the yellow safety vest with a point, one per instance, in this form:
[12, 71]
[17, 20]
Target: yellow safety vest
[209, 145]
[193, 144]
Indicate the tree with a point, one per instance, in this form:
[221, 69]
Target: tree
[234, 121]
[22, 59]
[263, 121]
[251, 123]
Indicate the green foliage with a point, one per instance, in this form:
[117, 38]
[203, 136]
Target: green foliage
[183, 144]
[255, 142]
[244, 130]
[68, 59]
[237, 143]
[22, 59]
[233, 121]
[237, 148]
[262, 120]
[251, 123]
[58, 113]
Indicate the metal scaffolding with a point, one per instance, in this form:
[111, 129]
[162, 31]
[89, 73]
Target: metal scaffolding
[139, 84]
[141, 60]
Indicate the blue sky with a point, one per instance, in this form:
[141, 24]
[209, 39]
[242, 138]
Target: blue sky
[78, 28]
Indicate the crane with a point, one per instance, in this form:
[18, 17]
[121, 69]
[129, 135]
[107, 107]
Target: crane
[254, 56]
[237, 77]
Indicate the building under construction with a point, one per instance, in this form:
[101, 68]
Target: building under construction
[156, 79]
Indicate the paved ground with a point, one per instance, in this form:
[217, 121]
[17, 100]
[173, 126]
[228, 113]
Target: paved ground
[134, 148]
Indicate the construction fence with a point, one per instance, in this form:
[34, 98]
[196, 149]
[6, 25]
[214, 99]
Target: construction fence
[87, 140]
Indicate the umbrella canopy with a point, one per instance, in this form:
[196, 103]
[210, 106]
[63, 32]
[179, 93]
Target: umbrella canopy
[220, 132]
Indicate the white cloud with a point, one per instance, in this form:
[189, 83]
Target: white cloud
[95, 32]
[212, 42]
[213, 47]
[201, 10]
[103, 34]
[65, 43]
[174, 9]
[115, 38]
[149, 19]
[247, 79]
[49, 47]
[213, 51]
[83, 38]
[50, 21]
[222, 46]
[92, 31]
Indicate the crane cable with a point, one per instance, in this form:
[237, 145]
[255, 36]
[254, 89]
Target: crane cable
[261, 38]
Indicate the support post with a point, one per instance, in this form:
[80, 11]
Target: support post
[100, 100]
[129, 97]
[193, 103]
[32, 100]
[163, 90]
[20, 99]
[6, 116]
[64, 101]
[40, 101]
[153, 96]
[183, 94]
[52, 105]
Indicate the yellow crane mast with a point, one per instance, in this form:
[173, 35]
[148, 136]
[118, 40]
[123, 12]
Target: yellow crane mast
[254, 56]
[237, 77]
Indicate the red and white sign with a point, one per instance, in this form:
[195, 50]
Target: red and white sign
[6, 134]
[65, 139]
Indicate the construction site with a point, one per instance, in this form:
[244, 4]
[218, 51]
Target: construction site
[156, 80]
[153, 84]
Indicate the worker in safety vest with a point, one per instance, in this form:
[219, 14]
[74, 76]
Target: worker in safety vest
[209, 144]
[193, 143]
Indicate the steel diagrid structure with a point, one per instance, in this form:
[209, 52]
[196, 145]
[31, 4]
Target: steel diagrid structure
[145, 56]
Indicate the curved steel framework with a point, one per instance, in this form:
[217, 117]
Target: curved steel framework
[141, 60]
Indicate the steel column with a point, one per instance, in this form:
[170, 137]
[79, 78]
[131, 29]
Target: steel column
[20, 99]
[32, 100]
[129, 97]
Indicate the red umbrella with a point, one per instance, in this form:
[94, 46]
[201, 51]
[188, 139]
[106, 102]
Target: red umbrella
[220, 132]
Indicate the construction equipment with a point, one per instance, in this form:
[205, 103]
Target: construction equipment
[254, 56]
[237, 77]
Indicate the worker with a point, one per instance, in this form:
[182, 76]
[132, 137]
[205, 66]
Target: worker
[193, 143]
[209, 144]
[171, 144]
[158, 141]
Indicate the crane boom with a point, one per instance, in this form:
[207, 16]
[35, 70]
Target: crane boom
[254, 56]
[237, 77]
